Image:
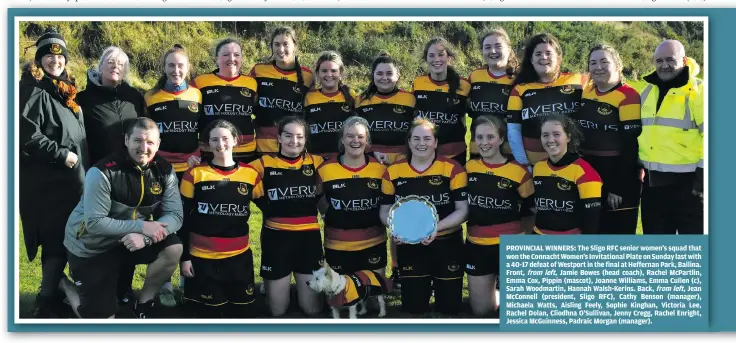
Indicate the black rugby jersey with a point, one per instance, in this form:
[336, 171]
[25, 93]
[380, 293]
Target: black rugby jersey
[177, 116]
[233, 100]
[489, 96]
[325, 113]
[567, 195]
[389, 117]
[530, 102]
[353, 195]
[290, 189]
[279, 96]
[218, 199]
[433, 102]
[443, 183]
[498, 196]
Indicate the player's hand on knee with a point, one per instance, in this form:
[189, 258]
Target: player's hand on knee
[186, 269]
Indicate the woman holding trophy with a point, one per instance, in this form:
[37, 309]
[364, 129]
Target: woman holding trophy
[424, 201]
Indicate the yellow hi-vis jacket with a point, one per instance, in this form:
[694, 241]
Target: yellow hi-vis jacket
[671, 139]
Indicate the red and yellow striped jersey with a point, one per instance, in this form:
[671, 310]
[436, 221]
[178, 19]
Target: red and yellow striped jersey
[606, 117]
[434, 103]
[443, 183]
[567, 195]
[233, 100]
[177, 116]
[498, 196]
[354, 198]
[530, 102]
[290, 186]
[389, 117]
[325, 113]
[217, 226]
[279, 96]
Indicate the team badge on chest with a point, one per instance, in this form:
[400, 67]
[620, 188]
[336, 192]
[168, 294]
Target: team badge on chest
[155, 188]
[243, 189]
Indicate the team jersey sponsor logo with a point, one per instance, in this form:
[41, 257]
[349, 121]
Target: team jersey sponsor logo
[275, 173]
[177, 126]
[282, 104]
[288, 193]
[546, 204]
[436, 199]
[439, 117]
[160, 108]
[330, 126]
[338, 186]
[231, 210]
[472, 179]
[266, 84]
[193, 106]
[355, 204]
[399, 183]
[421, 96]
[228, 110]
[544, 110]
[487, 106]
[587, 124]
[155, 188]
[526, 95]
[243, 188]
[212, 91]
[208, 188]
[388, 125]
[489, 202]
[475, 88]
[435, 180]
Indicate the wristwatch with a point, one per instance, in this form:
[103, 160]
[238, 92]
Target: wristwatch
[147, 240]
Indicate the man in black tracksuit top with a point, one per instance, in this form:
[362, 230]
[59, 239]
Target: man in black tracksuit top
[129, 212]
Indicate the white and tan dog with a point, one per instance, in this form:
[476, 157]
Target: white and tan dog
[350, 290]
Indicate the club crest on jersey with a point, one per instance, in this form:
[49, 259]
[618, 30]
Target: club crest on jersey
[567, 89]
[454, 100]
[435, 181]
[243, 189]
[504, 183]
[605, 109]
[372, 184]
[249, 290]
[55, 49]
[563, 185]
[506, 91]
[399, 110]
[453, 267]
[155, 188]
[345, 108]
[245, 92]
[193, 106]
[296, 89]
[374, 259]
[307, 170]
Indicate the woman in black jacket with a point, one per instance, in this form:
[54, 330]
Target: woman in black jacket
[109, 104]
[53, 156]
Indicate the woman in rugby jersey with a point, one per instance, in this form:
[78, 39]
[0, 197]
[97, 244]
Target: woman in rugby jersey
[500, 196]
[282, 85]
[326, 108]
[355, 239]
[228, 94]
[291, 242]
[539, 89]
[176, 107]
[441, 97]
[610, 120]
[436, 262]
[388, 110]
[491, 84]
[567, 190]
[217, 259]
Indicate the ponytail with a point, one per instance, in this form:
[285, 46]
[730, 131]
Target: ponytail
[300, 79]
[345, 90]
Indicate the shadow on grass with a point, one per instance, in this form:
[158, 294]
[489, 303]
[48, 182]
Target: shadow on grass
[393, 309]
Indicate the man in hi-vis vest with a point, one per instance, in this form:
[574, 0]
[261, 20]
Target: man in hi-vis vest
[671, 144]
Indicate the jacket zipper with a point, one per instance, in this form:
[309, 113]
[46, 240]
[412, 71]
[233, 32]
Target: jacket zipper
[143, 190]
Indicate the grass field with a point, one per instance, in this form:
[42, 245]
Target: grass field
[30, 277]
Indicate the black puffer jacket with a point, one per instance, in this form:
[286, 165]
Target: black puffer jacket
[49, 130]
[107, 111]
